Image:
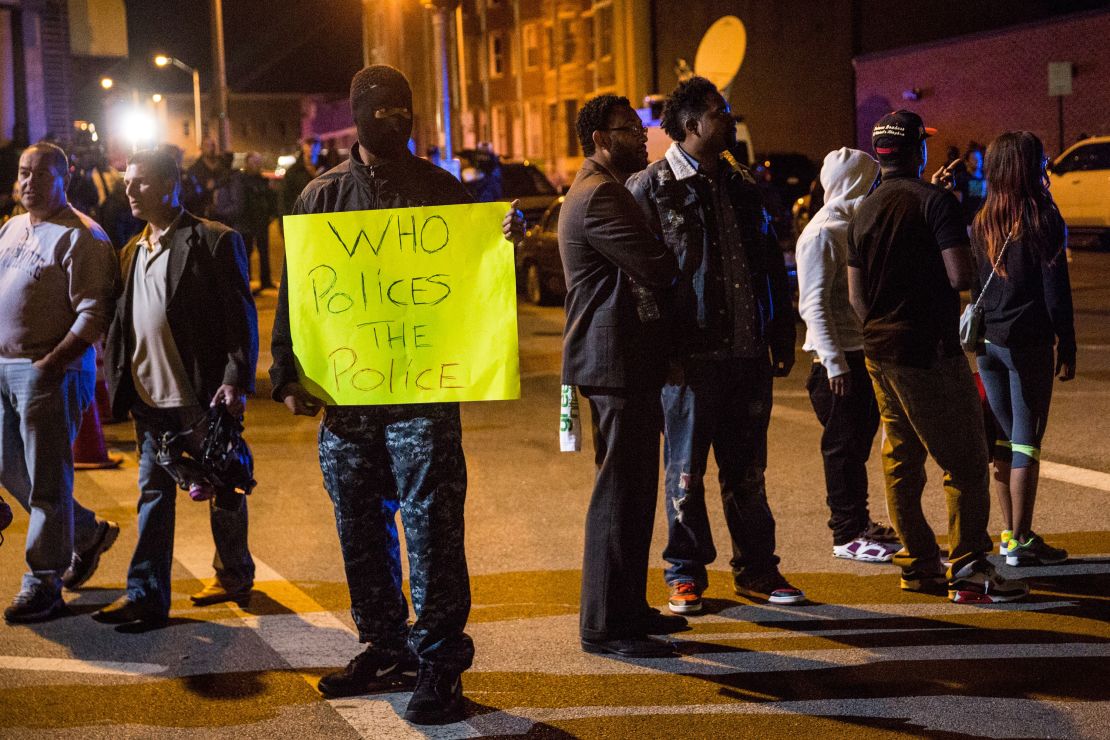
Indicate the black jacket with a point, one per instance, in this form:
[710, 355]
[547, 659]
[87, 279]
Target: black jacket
[683, 213]
[1032, 305]
[210, 310]
[605, 244]
[408, 182]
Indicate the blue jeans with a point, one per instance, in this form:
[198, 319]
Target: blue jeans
[148, 578]
[1019, 388]
[39, 420]
[725, 404]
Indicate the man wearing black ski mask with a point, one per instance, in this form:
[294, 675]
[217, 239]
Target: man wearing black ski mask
[378, 459]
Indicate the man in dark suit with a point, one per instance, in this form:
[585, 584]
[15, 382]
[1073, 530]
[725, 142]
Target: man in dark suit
[612, 261]
[184, 338]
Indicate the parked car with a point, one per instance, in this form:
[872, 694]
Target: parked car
[539, 269]
[522, 181]
[1080, 183]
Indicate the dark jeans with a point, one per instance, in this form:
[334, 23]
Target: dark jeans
[1019, 388]
[850, 424]
[148, 578]
[725, 404]
[377, 460]
[260, 239]
[626, 425]
[933, 412]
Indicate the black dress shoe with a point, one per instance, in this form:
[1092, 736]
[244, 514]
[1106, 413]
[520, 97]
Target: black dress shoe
[124, 611]
[630, 647]
[654, 623]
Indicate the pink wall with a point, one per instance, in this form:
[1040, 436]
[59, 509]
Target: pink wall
[976, 87]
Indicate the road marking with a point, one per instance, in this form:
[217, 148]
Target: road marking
[975, 715]
[792, 635]
[75, 665]
[1076, 476]
[839, 612]
[572, 662]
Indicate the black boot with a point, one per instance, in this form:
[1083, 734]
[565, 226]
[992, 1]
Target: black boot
[437, 698]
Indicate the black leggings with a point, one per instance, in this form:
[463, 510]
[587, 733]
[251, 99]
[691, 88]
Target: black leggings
[1019, 389]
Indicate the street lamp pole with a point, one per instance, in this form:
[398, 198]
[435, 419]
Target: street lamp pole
[196, 107]
[162, 61]
[441, 15]
[220, 88]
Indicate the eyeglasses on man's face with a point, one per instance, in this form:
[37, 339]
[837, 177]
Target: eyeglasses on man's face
[633, 129]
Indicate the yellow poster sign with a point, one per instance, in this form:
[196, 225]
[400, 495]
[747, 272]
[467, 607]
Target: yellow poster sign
[408, 305]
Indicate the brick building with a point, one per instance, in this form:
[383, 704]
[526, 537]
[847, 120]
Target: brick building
[531, 64]
[521, 70]
[270, 123]
[973, 88]
[35, 71]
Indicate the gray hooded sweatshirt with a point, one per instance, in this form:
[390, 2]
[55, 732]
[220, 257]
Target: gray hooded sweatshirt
[832, 327]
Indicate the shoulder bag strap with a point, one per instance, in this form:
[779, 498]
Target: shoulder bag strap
[994, 267]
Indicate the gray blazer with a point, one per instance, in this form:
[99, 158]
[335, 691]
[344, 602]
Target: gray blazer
[605, 244]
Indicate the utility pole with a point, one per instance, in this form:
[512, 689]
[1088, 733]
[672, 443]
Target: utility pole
[442, 10]
[223, 123]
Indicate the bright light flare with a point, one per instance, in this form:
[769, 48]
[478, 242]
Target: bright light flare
[107, 83]
[138, 127]
[161, 60]
[156, 97]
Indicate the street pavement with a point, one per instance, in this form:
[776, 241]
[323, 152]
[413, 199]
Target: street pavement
[861, 658]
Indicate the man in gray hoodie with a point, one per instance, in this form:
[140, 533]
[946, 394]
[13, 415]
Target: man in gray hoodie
[839, 387]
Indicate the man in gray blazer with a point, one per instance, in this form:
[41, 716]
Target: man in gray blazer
[611, 351]
[184, 338]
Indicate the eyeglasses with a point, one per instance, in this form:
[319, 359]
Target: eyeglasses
[641, 129]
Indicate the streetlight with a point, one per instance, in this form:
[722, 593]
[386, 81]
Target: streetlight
[163, 61]
[135, 124]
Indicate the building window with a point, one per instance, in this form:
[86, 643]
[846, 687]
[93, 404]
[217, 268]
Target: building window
[549, 46]
[534, 115]
[186, 128]
[500, 121]
[604, 27]
[496, 54]
[570, 117]
[531, 46]
[569, 42]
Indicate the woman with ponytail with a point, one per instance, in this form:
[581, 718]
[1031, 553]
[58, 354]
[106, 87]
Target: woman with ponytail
[1029, 333]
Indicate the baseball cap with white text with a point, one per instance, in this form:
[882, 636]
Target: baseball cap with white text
[898, 131]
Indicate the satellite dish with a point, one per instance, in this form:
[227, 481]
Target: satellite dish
[721, 51]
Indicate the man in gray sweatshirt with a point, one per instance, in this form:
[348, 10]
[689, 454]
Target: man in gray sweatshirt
[57, 289]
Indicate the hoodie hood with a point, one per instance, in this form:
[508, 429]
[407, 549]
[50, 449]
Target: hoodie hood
[847, 176]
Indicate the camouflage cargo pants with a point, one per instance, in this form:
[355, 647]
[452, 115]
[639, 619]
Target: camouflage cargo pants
[376, 460]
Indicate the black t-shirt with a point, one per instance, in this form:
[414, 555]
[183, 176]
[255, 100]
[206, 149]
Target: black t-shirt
[895, 240]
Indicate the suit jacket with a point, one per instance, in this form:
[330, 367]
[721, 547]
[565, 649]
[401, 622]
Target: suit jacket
[605, 244]
[209, 307]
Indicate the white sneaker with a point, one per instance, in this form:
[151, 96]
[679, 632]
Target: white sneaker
[866, 550]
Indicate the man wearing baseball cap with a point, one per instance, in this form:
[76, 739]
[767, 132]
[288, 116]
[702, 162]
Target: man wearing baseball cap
[908, 258]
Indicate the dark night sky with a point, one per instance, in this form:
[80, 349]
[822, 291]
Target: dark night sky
[270, 46]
